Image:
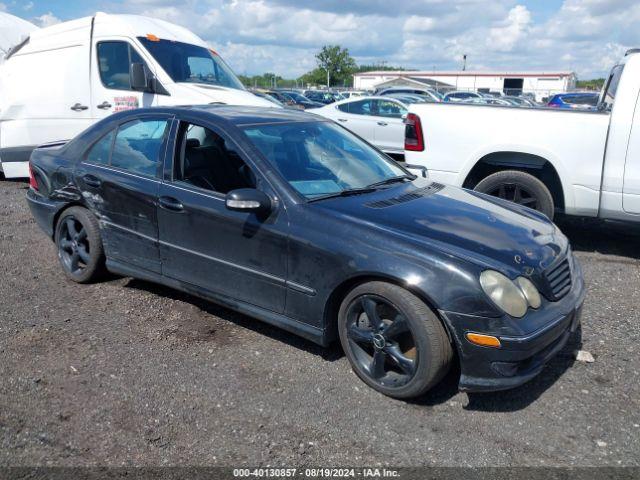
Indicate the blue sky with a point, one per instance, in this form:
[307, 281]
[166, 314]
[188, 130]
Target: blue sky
[281, 36]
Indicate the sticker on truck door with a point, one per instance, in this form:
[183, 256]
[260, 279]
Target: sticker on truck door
[125, 103]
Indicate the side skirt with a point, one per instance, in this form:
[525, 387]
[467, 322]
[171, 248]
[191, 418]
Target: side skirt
[309, 332]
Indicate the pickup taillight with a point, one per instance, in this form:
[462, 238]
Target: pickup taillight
[33, 182]
[413, 137]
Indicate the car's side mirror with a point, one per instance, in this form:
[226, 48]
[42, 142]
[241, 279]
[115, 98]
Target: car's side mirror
[138, 77]
[248, 200]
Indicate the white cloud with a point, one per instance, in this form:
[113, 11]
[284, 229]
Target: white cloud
[282, 35]
[46, 20]
[27, 6]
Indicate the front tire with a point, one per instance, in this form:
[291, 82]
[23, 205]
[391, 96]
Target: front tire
[393, 340]
[79, 244]
[519, 187]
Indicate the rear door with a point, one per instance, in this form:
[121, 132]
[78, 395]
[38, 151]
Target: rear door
[389, 126]
[120, 177]
[111, 88]
[238, 255]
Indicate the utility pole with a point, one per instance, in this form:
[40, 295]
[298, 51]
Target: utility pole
[327, 79]
[464, 62]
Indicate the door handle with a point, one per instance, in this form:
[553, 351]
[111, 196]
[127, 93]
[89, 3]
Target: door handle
[383, 124]
[104, 105]
[342, 119]
[92, 180]
[170, 203]
[78, 108]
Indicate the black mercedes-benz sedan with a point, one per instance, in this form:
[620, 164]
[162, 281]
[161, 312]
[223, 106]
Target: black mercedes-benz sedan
[294, 220]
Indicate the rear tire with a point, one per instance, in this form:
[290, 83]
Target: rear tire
[519, 187]
[393, 340]
[80, 250]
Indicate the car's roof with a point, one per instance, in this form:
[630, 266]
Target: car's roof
[238, 115]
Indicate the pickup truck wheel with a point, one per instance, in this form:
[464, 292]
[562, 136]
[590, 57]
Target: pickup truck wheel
[393, 340]
[519, 187]
[79, 245]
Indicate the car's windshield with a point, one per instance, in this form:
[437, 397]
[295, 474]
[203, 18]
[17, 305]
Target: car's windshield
[297, 97]
[320, 159]
[184, 62]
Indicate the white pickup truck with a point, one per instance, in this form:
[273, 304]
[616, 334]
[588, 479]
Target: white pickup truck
[583, 163]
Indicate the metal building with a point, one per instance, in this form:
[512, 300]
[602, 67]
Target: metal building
[540, 84]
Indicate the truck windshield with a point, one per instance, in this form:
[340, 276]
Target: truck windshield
[611, 88]
[184, 62]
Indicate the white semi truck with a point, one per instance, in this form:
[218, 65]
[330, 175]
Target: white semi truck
[583, 163]
[63, 78]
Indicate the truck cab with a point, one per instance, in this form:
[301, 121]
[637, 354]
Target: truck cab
[65, 77]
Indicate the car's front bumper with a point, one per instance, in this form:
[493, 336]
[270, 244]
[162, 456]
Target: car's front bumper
[520, 357]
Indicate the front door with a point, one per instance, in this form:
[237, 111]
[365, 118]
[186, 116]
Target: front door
[111, 88]
[119, 176]
[238, 255]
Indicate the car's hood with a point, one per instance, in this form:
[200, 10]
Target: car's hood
[229, 96]
[487, 231]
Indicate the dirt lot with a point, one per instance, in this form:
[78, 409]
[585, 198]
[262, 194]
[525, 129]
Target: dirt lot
[128, 373]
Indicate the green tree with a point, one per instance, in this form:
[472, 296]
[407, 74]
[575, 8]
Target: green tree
[337, 64]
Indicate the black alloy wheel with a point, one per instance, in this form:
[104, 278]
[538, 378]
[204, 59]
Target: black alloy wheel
[381, 341]
[394, 341]
[519, 187]
[80, 249]
[74, 249]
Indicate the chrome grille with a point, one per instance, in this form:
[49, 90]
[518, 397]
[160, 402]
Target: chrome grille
[559, 279]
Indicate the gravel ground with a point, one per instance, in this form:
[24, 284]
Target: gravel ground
[128, 373]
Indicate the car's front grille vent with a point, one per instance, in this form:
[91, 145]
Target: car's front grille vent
[559, 279]
[407, 197]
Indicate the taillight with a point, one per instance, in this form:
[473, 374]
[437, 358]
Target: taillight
[413, 138]
[33, 183]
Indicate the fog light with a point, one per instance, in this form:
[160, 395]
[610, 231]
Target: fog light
[483, 340]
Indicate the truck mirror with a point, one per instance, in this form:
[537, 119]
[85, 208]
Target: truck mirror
[138, 77]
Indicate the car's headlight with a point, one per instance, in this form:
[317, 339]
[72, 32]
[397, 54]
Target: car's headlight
[504, 293]
[530, 292]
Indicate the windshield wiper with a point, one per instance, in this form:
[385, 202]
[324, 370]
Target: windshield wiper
[389, 180]
[344, 193]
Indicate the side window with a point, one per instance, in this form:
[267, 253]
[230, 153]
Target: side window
[114, 60]
[207, 160]
[362, 107]
[612, 87]
[99, 152]
[344, 107]
[390, 109]
[138, 146]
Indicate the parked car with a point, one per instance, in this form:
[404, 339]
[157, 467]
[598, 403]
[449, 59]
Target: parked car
[519, 101]
[323, 96]
[578, 162]
[241, 206]
[265, 95]
[429, 94]
[582, 100]
[63, 78]
[460, 96]
[300, 100]
[488, 101]
[353, 93]
[379, 120]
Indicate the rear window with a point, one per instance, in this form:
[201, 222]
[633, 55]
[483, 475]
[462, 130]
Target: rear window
[581, 100]
[612, 87]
